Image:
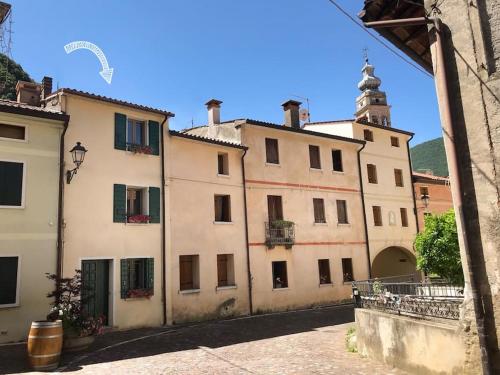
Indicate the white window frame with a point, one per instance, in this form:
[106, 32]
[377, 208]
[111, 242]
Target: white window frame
[23, 188]
[18, 284]
[25, 126]
[145, 200]
[146, 130]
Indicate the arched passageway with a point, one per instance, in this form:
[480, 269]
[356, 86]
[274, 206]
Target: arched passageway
[394, 261]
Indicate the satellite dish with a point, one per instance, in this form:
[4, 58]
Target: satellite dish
[304, 115]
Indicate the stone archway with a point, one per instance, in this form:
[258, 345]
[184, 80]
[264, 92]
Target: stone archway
[394, 261]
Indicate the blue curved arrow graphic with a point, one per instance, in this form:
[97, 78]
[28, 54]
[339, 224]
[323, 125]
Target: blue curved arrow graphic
[106, 72]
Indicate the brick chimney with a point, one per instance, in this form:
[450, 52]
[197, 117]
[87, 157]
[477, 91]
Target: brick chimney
[292, 118]
[46, 87]
[213, 107]
[28, 93]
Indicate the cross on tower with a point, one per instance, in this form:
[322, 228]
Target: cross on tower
[365, 53]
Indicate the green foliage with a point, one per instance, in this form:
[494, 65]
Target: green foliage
[437, 248]
[350, 340]
[430, 155]
[10, 73]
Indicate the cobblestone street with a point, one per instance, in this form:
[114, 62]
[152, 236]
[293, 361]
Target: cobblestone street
[303, 342]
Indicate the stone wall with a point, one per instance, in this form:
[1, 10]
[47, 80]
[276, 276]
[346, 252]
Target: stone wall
[414, 345]
[472, 51]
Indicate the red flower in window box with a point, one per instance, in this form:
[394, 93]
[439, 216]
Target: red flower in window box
[139, 219]
[140, 149]
[140, 293]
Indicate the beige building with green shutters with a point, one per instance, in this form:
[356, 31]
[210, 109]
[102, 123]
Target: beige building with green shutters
[112, 206]
[30, 139]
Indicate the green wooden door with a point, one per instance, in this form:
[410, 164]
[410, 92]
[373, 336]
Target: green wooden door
[95, 288]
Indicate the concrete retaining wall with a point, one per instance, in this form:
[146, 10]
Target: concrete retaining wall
[414, 345]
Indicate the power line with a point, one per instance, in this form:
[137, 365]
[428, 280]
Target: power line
[345, 13]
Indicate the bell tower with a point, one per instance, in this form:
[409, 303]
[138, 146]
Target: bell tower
[372, 105]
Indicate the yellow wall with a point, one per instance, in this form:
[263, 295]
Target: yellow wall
[89, 231]
[386, 158]
[385, 193]
[313, 241]
[193, 181]
[31, 232]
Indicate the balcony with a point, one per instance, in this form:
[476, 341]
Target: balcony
[280, 232]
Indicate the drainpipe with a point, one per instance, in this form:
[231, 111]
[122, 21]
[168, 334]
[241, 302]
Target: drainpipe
[412, 187]
[441, 79]
[364, 212]
[60, 219]
[249, 272]
[163, 225]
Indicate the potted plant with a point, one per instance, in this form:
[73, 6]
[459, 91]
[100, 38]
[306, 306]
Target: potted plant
[79, 327]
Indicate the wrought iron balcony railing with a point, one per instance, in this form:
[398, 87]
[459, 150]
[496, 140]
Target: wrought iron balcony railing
[280, 232]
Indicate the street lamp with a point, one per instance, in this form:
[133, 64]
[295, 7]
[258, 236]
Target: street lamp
[425, 199]
[78, 154]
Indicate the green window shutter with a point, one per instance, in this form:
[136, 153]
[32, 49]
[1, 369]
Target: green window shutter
[150, 267]
[119, 203]
[124, 278]
[154, 136]
[120, 131]
[154, 205]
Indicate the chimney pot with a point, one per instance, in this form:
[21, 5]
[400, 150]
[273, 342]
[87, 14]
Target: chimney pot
[213, 107]
[46, 87]
[292, 117]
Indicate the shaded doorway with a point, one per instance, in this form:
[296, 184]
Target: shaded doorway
[95, 288]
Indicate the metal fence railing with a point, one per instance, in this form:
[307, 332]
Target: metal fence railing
[431, 299]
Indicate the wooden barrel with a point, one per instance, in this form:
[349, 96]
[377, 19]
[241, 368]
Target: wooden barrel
[44, 345]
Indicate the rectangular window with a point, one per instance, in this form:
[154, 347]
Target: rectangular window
[368, 135]
[222, 163]
[11, 184]
[137, 277]
[136, 207]
[272, 153]
[319, 210]
[394, 141]
[377, 216]
[424, 190]
[189, 272]
[372, 173]
[12, 132]
[314, 157]
[337, 161]
[274, 208]
[398, 177]
[136, 133]
[222, 208]
[225, 270]
[280, 278]
[347, 272]
[324, 271]
[404, 217]
[9, 268]
[342, 212]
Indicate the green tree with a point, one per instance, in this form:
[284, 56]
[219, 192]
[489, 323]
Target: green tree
[437, 248]
[10, 73]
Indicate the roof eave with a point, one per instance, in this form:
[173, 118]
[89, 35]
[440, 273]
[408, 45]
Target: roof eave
[34, 113]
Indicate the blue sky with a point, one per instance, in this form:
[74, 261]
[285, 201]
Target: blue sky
[252, 55]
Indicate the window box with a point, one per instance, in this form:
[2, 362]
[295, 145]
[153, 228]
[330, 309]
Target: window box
[139, 149]
[138, 219]
[140, 293]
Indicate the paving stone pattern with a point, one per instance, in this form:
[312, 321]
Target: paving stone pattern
[302, 342]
